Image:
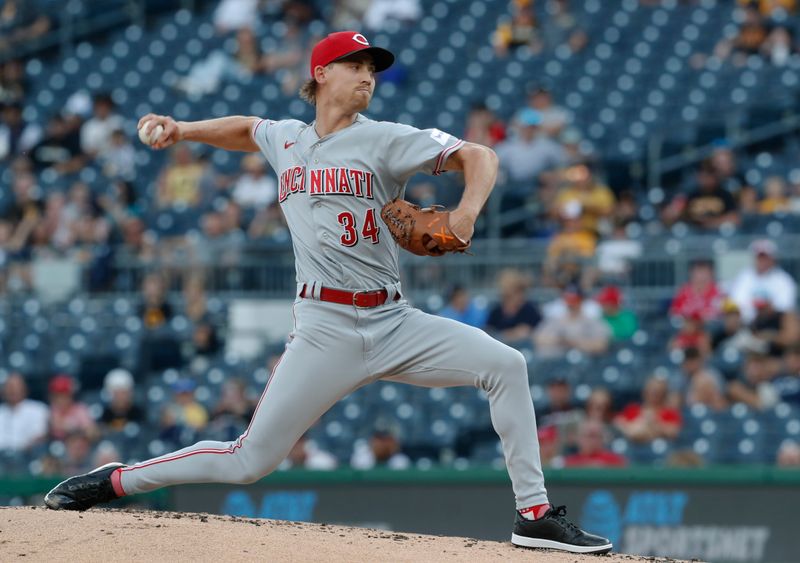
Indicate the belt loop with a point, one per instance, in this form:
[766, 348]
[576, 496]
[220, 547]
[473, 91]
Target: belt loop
[300, 286]
[392, 291]
[316, 291]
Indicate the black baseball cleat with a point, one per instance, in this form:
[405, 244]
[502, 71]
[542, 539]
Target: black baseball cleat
[554, 531]
[84, 491]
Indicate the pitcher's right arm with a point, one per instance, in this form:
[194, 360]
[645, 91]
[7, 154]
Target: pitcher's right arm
[232, 133]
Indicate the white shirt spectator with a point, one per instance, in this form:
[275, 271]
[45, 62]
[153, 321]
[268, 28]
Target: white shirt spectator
[316, 459]
[31, 134]
[381, 11]
[614, 255]
[557, 309]
[255, 191]
[232, 15]
[22, 424]
[525, 160]
[96, 133]
[775, 284]
[364, 458]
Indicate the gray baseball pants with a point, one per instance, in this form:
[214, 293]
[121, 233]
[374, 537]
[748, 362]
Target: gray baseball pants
[335, 349]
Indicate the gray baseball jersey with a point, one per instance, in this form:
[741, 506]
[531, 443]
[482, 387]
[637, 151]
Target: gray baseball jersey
[331, 190]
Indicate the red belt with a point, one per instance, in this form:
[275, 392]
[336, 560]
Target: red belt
[359, 299]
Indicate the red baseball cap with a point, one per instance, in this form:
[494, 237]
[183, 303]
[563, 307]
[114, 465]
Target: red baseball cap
[341, 44]
[61, 383]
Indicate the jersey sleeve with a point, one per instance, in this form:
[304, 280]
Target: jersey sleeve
[263, 133]
[411, 150]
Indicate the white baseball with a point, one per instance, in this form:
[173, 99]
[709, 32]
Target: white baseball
[147, 136]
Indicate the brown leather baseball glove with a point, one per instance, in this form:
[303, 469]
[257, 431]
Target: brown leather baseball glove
[422, 231]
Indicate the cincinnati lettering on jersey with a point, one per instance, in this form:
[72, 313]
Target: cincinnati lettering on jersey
[326, 181]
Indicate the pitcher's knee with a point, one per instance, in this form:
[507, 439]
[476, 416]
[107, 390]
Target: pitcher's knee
[512, 364]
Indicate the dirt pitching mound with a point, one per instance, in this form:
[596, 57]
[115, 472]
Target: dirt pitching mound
[37, 534]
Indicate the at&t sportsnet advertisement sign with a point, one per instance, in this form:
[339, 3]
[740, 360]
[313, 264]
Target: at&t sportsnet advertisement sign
[653, 523]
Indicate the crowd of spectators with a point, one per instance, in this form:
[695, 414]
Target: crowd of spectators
[547, 168]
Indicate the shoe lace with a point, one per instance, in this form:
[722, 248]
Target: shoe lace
[559, 513]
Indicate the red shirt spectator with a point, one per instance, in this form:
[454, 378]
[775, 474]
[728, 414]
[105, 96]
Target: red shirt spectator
[592, 451]
[699, 296]
[66, 415]
[653, 418]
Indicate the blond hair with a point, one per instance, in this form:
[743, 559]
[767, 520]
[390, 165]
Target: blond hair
[308, 91]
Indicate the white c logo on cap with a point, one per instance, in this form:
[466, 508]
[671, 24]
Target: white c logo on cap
[358, 38]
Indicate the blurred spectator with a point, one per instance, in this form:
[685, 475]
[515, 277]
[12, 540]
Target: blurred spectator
[563, 27]
[289, 60]
[306, 454]
[731, 331]
[765, 278]
[154, 311]
[205, 340]
[269, 224]
[788, 454]
[530, 152]
[383, 450]
[380, 12]
[207, 75]
[707, 206]
[697, 383]
[255, 188]
[723, 162]
[185, 409]
[597, 201]
[556, 336]
[549, 447]
[615, 253]
[593, 451]
[23, 422]
[66, 414]
[553, 117]
[221, 241]
[21, 21]
[754, 386]
[775, 329]
[96, 133]
[13, 82]
[120, 205]
[788, 383]
[520, 30]
[622, 322]
[483, 126]
[180, 182]
[16, 135]
[194, 298]
[60, 149]
[233, 15]
[561, 412]
[570, 249]
[749, 39]
[692, 334]
[600, 405]
[93, 251]
[234, 405]
[685, 457]
[105, 452]
[514, 318]
[348, 14]
[776, 200]
[770, 8]
[118, 160]
[462, 308]
[700, 296]
[653, 418]
[77, 453]
[120, 408]
[559, 308]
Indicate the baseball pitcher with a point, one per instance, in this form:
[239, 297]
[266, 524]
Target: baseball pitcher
[341, 184]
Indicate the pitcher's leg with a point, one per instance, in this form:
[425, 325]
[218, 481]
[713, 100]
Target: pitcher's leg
[303, 386]
[434, 352]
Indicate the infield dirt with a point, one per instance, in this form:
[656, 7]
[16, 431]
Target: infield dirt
[37, 534]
